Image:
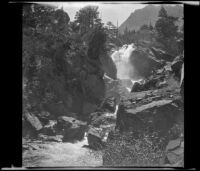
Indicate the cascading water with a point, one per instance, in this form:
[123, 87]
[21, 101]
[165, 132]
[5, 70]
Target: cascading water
[125, 70]
[121, 60]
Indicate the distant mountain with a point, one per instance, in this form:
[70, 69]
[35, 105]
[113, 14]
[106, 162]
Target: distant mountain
[148, 14]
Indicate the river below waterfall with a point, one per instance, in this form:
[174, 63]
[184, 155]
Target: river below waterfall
[55, 154]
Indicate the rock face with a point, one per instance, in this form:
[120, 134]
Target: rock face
[152, 118]
[160, 78]
[144, 63]
[152, 114]
[148, 85]
[149, 113]
[149, 13]
[175, 153]
[162, 55]
[71, 128]
[95, 139]
[136, 87]
[34, 121]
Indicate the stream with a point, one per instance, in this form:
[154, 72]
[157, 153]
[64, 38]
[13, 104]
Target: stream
[65, 154]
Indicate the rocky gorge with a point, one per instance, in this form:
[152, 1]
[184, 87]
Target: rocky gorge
[94, 98]
[140, 117]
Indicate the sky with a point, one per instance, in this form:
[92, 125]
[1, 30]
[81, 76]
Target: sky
[108, 11]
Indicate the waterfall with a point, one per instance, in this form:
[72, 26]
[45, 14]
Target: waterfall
[125, 70]
[122, 62]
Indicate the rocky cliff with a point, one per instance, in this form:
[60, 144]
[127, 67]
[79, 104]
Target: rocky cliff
[148, 14]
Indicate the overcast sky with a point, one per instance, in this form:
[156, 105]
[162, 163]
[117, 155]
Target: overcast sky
[108, 12]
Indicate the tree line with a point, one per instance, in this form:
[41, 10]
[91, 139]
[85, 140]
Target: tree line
[165, 33]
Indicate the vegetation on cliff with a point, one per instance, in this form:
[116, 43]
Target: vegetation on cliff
[72, 90]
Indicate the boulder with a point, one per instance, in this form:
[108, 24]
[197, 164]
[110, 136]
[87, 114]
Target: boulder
[150, 84]
[34, 121]
[44, 117]
[70, 121]
[175, 152]
[176, 157]
[72, 129]
[95, 139]
[109, 104]
[161, 54]
[173, 158]
[173, 144]
[136, 87]
[50, 128]
[143, 63]
[126, 121]
[158, 115]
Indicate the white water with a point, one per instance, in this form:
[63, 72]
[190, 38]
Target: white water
[125, 70]
[121, 60]
[51, 154]
[116, 109]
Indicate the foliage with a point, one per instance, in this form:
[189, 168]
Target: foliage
[143, 34]
[54, 54]
[87, 18]
[165, 34]
[48, 49]
[112, 35]
[110, 25]
[96, 43]
[167, 31]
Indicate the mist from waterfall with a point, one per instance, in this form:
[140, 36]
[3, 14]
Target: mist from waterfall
[121, 60]
[125, 70]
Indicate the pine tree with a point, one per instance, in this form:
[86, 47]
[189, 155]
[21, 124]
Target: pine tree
[167, 31]
[87, 18]
[162, 13]
[165, 25]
